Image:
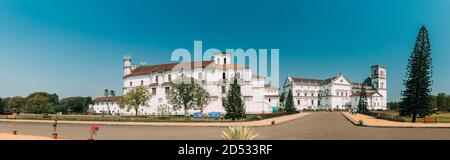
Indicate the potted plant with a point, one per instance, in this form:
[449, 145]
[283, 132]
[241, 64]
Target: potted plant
[360, 122]
[94, 129]
[55, 125]
[14, 132]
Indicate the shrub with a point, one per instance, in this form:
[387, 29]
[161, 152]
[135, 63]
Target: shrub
[94, 129]
[360, 123]
[239, 133]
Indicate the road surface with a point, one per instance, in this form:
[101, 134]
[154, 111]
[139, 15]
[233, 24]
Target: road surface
[317, 126]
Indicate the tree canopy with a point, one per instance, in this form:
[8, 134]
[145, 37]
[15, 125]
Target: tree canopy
[135, 98]
[416, 96]
[290, 108]
[74, 105]
[41, 102]
[234, 104]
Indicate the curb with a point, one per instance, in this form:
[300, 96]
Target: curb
[260, 123]
[351, 120]
[354, 122]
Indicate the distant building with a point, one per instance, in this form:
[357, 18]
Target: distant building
[214, 75]
[338, 92]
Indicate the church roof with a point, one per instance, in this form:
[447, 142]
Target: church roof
[107, 99]
[313, 81]
[143, 70]
[368, 94]
[307, 80]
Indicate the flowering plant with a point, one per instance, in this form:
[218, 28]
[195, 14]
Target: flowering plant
[94, 129]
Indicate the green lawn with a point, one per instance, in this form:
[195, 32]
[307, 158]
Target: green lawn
[173, 118]
[442, 115]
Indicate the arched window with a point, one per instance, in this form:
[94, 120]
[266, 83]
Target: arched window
[224, 60]
[223, 75]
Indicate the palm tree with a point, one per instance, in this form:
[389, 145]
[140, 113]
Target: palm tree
[107, 100]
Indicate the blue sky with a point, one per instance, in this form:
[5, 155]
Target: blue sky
[75, 47]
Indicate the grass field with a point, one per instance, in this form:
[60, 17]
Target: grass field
[172, 118]
[441, 117]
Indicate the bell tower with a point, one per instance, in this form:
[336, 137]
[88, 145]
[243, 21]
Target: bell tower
[378, 77]
[127, 66]
[379, 82]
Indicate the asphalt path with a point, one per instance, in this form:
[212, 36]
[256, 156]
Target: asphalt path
[317, 126]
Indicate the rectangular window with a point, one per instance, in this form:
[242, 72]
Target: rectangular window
[223, 89]
[142, 83]
[131, 84]
[156, 78]
[306, 95]
[200, 75]
[167, 90]
[170, 78]
[223, 75]
[153, 91]
[298, 102]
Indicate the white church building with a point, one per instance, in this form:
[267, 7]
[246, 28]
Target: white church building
[214, 75]
[338, 92]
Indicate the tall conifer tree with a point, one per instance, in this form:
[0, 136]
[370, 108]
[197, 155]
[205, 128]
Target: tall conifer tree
[234, 104]
[290, 108]
[416, 96]
[362, 106]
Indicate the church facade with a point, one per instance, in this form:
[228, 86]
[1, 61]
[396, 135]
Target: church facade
[338, 92]
[215, 76]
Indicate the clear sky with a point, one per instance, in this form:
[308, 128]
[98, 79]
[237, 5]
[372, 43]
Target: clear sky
[75, 47]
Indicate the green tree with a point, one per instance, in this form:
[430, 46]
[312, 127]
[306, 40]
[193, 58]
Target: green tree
[134, 99]
[74, 105]
[234, 104]
[15, 104]
[201, 98]
[182, 94]
[112, 93]
[416, 96]
[290, 108]
[441, 102]
[393, 105]
[41, 102]
[362, 105]
[106, 93]
[2, 106]
[433, 102]
[282, 97]
[448, 103]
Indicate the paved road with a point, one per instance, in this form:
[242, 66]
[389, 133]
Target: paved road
[322, 126]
